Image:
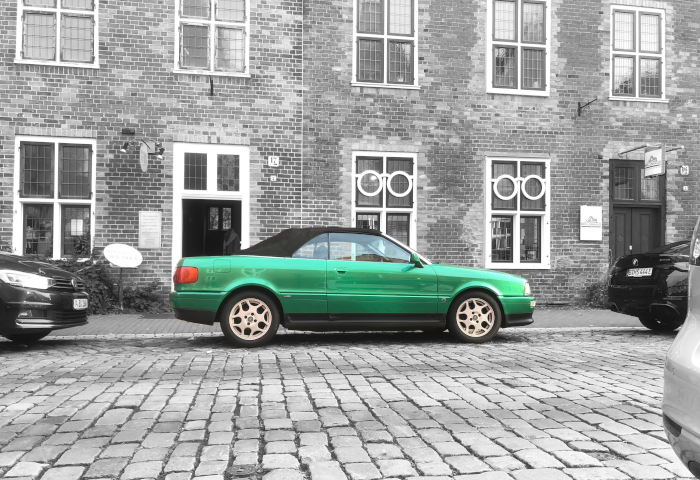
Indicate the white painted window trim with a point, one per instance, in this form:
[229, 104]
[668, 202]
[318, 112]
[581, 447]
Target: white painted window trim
[637, 53]
[384, 36]
[519, 45]
[413, 211]
[212, 23]
[179, 192]
[21, 8]
[19, 202]
[516, 214]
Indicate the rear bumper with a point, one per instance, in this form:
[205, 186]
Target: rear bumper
[647, 300]
[195, 307]
[203, 317]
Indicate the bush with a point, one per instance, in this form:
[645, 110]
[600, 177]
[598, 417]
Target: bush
[596, 294]
[145, 299]
[103, 288]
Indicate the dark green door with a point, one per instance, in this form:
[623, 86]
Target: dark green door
[370, 275]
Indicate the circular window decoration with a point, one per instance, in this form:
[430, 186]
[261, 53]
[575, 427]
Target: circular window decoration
[527, 195]
[498, 194]
[369, 179]
[407, 184]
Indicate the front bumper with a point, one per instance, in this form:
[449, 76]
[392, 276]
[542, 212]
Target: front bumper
[517, 311]
[23, 310]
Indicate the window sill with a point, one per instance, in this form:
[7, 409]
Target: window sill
[21, 61]
[522, 266]
[515, 91]
[385, 85]
[207, 73]
[639, 99]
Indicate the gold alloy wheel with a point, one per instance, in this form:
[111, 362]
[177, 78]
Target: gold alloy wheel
[475, 317]
[250, 319]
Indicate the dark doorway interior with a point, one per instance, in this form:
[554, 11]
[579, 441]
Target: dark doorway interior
[205, 223]
[637, 208]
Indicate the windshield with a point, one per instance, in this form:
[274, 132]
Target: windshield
[422, 257]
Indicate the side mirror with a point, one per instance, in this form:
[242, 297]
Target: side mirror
[415, 260]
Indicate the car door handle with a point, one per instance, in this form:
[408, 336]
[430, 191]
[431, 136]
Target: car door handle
[341, 272]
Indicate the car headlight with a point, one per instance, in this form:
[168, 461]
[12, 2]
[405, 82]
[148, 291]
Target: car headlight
[26, 280]
[527, 292]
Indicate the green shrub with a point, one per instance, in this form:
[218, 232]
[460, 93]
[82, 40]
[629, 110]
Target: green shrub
[145, 299]
[596, 294]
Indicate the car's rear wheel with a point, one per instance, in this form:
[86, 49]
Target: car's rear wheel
[250, 319]
[474, 317]
[658, 326]
[27, 337]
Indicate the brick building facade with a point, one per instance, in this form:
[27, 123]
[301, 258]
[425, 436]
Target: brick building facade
[451, 124]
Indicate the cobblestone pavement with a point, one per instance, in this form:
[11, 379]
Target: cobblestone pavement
[540, 404]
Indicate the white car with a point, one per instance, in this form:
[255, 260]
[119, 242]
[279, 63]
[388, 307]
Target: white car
[681, 404]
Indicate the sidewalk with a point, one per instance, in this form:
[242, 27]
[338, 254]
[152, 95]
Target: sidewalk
[162, 324]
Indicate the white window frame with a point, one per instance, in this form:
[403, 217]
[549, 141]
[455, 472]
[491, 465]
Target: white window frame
[637, 53]
[212, 23]
[489, 183]
[385, 37]
[211, 193]
[383, 210]
[518, 45]
[58, 11]
[20, 202]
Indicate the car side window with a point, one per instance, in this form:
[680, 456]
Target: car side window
[356, 247]
[316, 248]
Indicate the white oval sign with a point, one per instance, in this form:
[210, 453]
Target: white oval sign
[123, 256]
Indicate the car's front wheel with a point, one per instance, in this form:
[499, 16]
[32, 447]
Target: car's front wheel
[475, 317]
[658, 326]
[27, 337]
[250, 319]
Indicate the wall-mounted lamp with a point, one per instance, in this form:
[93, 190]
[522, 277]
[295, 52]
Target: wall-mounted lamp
[153, 147]
[147, 148]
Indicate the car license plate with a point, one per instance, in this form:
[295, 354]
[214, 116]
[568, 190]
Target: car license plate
[80, 303]
[639, 272]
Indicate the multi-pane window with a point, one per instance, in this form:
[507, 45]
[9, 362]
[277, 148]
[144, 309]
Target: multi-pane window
[518, 47]
[384, 194]
[213, 172]
[385, 42]
[637, 53]
[55, 185]
[212, 36]
[630, 185]
[517, 213]
[58, 31]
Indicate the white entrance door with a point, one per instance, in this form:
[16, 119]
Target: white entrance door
[210, 172]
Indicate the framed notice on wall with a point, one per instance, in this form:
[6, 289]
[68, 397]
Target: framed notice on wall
[591, 223]
[150, 225]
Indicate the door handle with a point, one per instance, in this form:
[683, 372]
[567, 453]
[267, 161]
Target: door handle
[341, 272]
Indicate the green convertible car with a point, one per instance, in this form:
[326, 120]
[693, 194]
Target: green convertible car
[341, 279]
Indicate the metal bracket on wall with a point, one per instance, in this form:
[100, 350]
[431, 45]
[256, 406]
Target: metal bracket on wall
[581, 107]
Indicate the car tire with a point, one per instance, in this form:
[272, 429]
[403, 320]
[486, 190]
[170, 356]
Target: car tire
[485, 318]
[27, 337]
[250, 319]
[658, 326]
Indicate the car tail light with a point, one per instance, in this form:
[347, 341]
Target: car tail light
[185, 275]
[695, 245]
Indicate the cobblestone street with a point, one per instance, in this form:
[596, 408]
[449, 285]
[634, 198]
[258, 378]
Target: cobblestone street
[534, 404]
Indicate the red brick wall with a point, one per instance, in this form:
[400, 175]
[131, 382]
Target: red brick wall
[135, 87]
[453, 124]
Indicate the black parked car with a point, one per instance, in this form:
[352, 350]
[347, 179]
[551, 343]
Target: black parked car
[652, 286]
[36, 298]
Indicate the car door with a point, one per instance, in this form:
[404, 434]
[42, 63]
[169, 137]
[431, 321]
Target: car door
[370, 275]
[301, 280]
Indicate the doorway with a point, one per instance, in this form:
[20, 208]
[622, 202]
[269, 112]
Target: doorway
[637, 209]
[205, 223]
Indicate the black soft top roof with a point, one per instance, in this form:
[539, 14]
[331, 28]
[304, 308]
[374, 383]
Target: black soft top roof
[285, 243]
